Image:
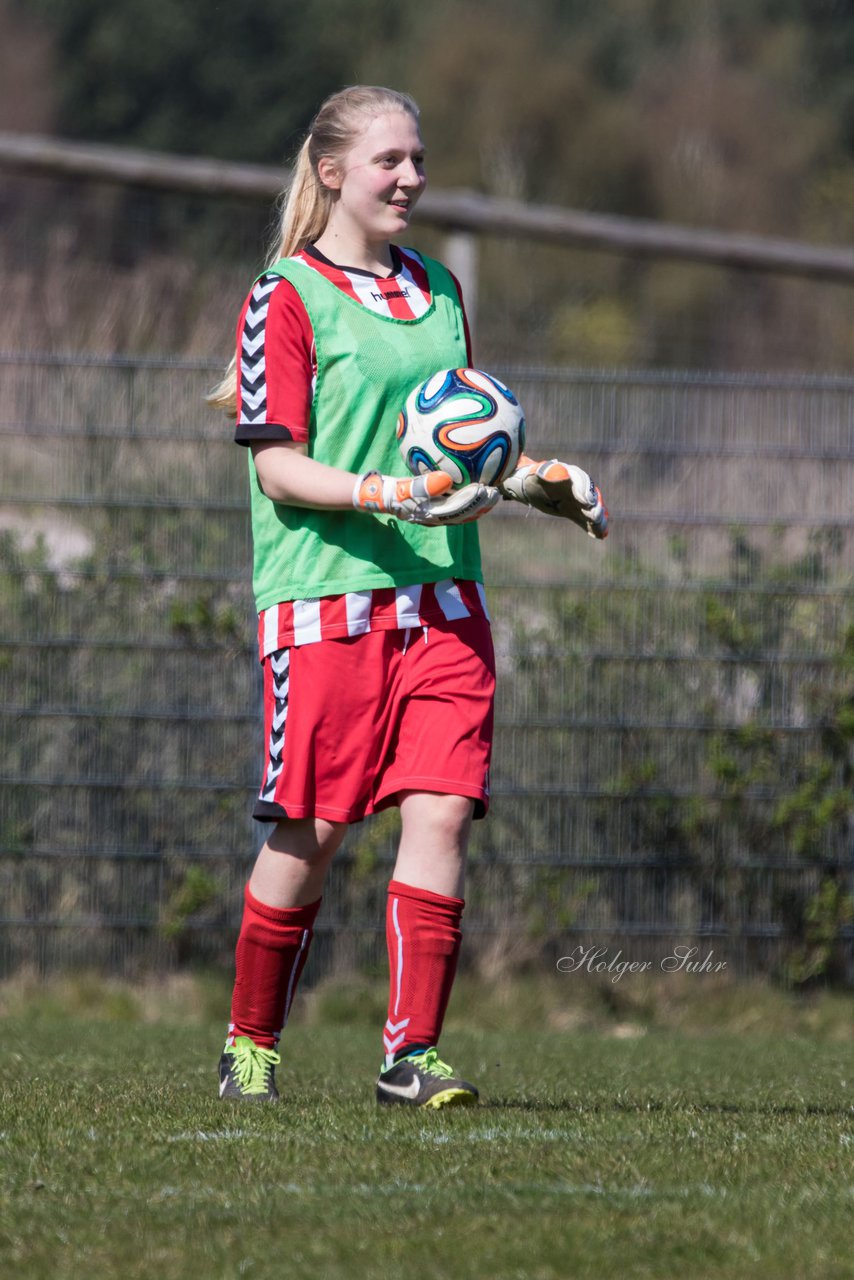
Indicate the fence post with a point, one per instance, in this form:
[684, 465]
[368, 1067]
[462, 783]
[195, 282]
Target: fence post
[460, 256]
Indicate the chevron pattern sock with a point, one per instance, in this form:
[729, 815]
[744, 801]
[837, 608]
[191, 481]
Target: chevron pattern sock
[424, 936]
[271, 953]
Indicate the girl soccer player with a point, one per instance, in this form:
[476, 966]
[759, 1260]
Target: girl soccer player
[373, 629]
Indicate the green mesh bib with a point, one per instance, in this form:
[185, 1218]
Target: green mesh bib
[366, 366]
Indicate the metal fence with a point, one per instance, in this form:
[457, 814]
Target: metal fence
[676, 706]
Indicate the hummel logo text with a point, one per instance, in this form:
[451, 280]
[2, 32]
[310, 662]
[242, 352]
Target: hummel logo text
[392, 293]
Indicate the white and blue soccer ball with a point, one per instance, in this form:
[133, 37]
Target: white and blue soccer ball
[464, 422]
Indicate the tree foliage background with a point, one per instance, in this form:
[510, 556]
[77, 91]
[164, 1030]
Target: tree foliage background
[735, 114]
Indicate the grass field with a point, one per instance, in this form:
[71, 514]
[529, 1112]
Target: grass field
[613, 1150]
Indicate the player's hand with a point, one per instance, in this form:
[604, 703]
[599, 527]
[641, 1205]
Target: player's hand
[424, 499]
[466, 504]
[559, 489]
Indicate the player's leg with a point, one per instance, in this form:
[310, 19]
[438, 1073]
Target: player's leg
[441, 771]
[324, 713]
[291, 868]
[423, 929]
[434, 840]
[281, 902]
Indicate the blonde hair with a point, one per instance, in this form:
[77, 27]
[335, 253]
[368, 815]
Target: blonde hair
[306, 203]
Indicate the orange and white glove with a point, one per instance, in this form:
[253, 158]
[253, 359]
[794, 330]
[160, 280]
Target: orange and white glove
[425, 499]
[559, 489]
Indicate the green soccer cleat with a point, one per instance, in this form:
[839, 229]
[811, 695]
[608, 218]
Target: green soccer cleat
[246, 1072]
[424, 1080]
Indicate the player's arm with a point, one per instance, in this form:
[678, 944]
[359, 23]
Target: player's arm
[287, 475]
[559, 489]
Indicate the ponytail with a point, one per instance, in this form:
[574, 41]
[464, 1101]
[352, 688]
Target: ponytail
[306, 203]
[305, 211]
[224, 394]
[305, 207]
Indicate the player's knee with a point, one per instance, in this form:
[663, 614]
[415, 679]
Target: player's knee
[328, 834]
[446, 818]
[312, 839]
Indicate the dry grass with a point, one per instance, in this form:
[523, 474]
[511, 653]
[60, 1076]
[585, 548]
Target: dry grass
[691, 1005]
[62, 299]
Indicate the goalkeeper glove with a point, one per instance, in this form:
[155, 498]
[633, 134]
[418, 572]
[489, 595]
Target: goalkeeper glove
[559, 489]
[424, 499]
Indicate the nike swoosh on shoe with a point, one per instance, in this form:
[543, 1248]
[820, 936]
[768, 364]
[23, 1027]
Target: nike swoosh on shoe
[410, 1090]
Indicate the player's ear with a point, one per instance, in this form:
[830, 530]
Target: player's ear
[328, 172]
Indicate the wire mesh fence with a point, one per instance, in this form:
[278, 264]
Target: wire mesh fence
[674, 753]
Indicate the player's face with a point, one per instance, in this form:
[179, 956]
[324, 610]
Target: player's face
[381, 178]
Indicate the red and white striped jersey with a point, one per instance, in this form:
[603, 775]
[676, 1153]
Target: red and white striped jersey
[298, 622]
[278, 366]
[405, 294]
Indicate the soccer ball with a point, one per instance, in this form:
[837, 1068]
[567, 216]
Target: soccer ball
[463, 422]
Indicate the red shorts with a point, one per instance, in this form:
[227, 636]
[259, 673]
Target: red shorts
[352, 722]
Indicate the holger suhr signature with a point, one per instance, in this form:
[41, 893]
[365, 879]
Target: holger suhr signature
[682, 959]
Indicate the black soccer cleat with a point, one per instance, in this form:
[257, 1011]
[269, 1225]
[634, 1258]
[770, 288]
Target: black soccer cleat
[247, 1072]
[424, 1080]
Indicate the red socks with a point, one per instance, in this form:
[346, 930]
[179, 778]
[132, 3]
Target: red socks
[271, 952]
[423, 934]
